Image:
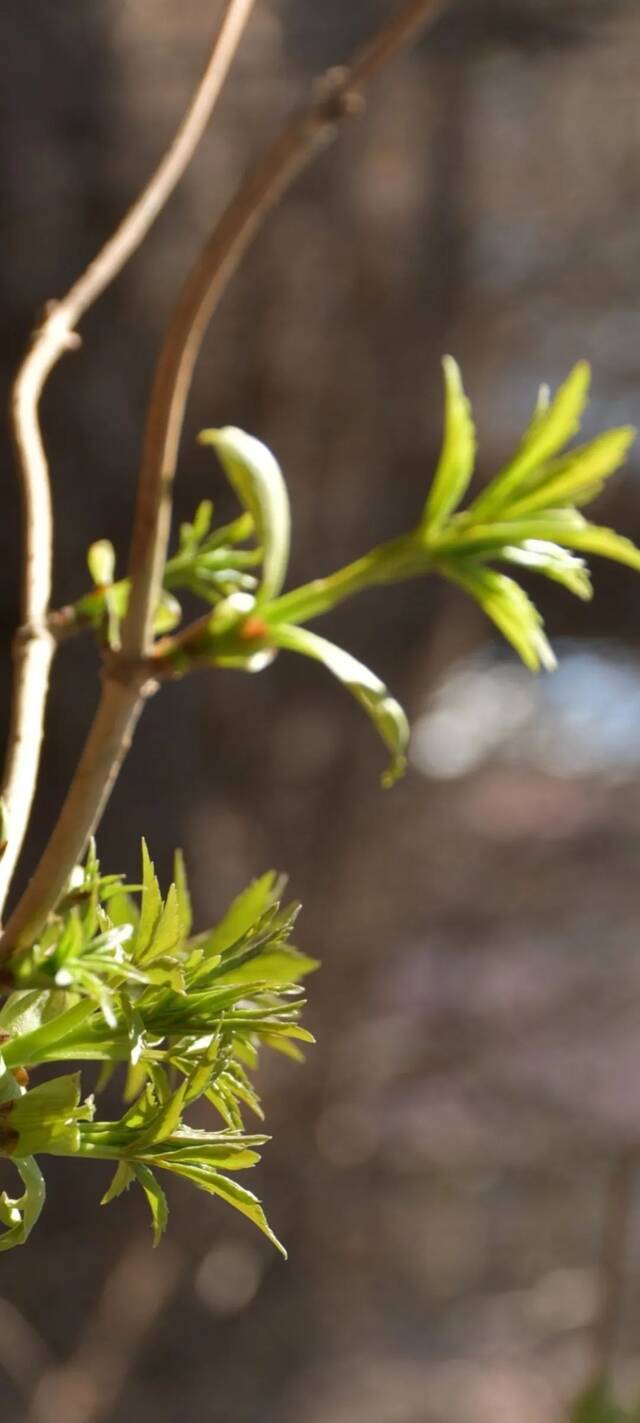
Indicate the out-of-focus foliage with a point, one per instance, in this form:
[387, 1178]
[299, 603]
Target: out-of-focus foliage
[598, 1406]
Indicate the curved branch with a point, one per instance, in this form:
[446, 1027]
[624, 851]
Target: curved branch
[336, 97]
[35, 647]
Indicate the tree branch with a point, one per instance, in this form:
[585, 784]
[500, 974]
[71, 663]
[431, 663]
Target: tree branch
[615, 1251]
[337, 97]
[34, 646]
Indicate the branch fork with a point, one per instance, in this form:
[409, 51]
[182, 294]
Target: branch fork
[337, 97]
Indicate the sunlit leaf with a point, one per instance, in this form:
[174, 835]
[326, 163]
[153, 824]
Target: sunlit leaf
[156, 1200]
[257, 480]
[553, 562]
[150, 905]
[208, 1179]
[455, 467]
[554, 423]
[385, 712]
[508, 606]
[124, 1175]
[101, 562]
[577, 478]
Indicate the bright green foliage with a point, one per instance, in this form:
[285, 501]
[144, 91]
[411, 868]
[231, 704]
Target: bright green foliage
[455, 467]
[528, 517]
[385, 712]
[118, 978]
[208, 563]
[259, 483]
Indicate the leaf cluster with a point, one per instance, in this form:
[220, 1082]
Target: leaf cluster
[528, 518]
[118, 978]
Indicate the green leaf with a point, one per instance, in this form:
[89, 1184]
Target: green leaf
[168, 613]
[182, 894]
[508, 606]
[167, 934]
[202, 520]
[45, 1119]
[26, 1011]
[605, 543]
[553, 562]
[150, 905]
[124, 1175]
[208, 1179]
[162, 1122]
[37, 1046]
[258, 482]
[277, 968]
[577, 478]
[156, 1200]
[385, 712]
[21, 1214]
[101, 562]
[455, 467]
[552, 426]
[242, 914]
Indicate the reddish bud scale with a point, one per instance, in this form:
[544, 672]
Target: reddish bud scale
[253, 627]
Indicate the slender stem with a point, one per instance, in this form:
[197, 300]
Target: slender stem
[336, 97]
[35, 647]
[615, 1251]
[104, 751]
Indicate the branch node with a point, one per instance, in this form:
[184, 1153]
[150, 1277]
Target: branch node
[336, 97]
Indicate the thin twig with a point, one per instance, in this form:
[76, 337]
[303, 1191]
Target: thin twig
[336, 97]
[34, 646]
[86, 1388]
[615, 1250]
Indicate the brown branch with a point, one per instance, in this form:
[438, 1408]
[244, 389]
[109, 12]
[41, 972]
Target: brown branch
[620, 1192]
[34, 646]
[86, 1387]
[337, 97]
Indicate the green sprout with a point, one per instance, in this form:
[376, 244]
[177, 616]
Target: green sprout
[117, 976]
[528, 517]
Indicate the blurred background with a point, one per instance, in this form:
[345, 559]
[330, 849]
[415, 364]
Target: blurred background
[443, 1167]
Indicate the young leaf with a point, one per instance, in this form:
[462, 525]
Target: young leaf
[577, 478]
[455, 467]
[553, 562]
[124, 1175]
[242, 915]
[258, 481]
[552, 426]
[20, 1214]
[182, 894]
[385, 712]
[508, 606]
[101, 562]
[590, 538]
[150, 905]
[156, 1200]
[208, 1179]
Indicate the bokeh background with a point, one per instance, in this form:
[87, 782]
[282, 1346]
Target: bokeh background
[441, 1167]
